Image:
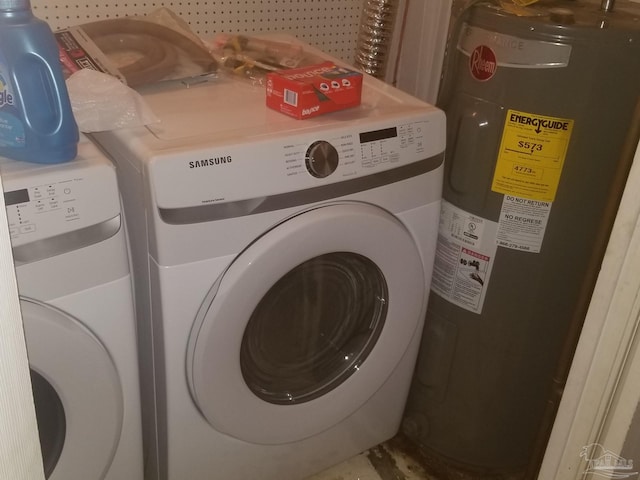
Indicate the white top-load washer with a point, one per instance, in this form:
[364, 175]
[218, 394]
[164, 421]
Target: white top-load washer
[282, 268]
[72, 267]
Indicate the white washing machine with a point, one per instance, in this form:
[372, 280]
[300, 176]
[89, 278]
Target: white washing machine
[282, 268]
[74, 282]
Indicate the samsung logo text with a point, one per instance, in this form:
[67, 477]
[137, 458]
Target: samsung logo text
[210, 162]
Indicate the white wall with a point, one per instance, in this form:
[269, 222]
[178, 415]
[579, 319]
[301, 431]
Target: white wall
[20, 456]
[416, 67]
[603, 388]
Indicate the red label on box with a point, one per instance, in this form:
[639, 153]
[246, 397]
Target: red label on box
[309, 91]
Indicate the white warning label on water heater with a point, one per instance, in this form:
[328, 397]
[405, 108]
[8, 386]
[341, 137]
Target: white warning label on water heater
[522, 223]
[464, 257]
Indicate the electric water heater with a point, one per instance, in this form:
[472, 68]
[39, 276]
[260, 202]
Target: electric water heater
[543, 115]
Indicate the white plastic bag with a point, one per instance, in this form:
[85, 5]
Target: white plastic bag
[100, 102]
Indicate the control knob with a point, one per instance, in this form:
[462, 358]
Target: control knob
[321, 159]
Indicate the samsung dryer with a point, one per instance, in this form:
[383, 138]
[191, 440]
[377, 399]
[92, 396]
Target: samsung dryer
[282, 270]
[72, 267]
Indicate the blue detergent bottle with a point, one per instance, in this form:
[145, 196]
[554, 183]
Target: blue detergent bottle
[36, 120]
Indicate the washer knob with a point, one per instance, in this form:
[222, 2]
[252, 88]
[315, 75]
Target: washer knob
[321, 159]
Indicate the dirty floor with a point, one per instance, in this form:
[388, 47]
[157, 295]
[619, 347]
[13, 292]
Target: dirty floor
[389, 461]
[398, 459]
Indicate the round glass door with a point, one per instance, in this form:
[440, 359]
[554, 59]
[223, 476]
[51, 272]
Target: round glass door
[306, 323]
[314, 328]
[52, 425]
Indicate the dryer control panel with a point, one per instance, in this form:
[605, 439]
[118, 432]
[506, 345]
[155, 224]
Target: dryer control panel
[363, 153]
[282, 164]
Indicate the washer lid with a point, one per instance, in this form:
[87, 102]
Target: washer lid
[268, 362]
[78, 367]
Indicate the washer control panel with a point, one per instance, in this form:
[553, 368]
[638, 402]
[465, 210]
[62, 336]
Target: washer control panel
[52, 202]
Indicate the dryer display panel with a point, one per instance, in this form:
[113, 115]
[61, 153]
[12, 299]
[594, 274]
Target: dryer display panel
[385, 146]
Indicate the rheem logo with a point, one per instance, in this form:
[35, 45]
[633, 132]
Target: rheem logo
[482, 63]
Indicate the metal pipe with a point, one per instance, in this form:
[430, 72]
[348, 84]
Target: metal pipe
[374, 38]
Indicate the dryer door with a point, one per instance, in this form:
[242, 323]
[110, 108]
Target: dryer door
[306, 324]
[77, 394]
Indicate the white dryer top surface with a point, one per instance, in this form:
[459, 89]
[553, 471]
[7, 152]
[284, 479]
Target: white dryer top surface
[230, 110]
[219, 143]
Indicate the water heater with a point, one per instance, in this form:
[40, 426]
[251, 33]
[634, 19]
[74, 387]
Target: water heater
[543, 115]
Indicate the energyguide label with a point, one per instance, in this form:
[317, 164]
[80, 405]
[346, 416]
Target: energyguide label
[531, 155]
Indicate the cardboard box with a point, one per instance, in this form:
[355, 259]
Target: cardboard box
[313, 90]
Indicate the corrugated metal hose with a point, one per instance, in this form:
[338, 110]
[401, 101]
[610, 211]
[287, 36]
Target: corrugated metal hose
[375, 35]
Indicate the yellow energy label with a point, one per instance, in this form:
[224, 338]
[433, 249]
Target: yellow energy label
[531, 155]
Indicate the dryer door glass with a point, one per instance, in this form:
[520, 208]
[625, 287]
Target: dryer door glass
[51, 421]
[314, 328]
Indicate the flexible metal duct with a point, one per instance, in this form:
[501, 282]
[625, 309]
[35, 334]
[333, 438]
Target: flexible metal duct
[374, 37]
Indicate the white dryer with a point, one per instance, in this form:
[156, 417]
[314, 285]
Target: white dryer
[74, 282]
[282, 267]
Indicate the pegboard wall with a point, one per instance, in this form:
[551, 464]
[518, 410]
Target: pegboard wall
[331, 25]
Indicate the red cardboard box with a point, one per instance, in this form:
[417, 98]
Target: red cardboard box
[309, 91]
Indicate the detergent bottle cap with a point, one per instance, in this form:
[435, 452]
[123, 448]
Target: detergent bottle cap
[8, 5]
